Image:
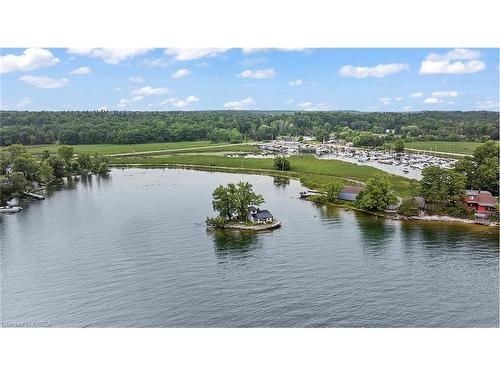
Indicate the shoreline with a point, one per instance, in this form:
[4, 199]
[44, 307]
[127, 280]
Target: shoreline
[251, 228]
[433, 218]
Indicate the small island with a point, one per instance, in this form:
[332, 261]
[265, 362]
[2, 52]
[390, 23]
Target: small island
[237, 207]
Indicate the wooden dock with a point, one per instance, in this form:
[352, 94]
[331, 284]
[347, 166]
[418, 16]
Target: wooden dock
[34, 195]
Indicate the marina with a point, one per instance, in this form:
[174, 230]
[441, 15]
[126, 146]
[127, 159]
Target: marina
[408, 165]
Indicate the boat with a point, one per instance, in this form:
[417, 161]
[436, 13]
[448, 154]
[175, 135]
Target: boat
[10, 209]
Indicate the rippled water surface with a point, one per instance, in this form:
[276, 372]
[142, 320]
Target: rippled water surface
[132, 250]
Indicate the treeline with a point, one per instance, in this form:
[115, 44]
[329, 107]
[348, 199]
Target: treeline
[23, 170]
[142, 127]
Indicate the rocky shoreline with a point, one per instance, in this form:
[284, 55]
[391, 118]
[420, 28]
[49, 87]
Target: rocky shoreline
[255, 228]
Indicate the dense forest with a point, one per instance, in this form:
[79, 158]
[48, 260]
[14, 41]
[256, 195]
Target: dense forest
[233, 126]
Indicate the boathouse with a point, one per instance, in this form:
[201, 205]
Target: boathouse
[350, 193]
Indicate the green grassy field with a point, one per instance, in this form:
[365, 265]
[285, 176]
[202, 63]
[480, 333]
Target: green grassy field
[109, 149]
[313, 172]
[464, 148]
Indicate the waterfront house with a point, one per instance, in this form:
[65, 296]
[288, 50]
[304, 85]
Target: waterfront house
[256, 215]
[350, 193]
[482, 202]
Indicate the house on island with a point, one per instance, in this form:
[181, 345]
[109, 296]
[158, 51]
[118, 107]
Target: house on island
[350, 193]
[482, 202]
[256, 215]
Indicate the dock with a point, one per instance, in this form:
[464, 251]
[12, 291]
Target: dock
[308, 193]
[34, 195]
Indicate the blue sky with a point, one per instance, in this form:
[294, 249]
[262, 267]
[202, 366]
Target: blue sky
[264, 79]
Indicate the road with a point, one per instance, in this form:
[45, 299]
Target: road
[178, 149]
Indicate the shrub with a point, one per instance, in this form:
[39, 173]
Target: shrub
[409, 207]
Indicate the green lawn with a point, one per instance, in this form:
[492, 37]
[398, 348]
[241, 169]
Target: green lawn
[464, 148]
[109, 149]
[313, 172]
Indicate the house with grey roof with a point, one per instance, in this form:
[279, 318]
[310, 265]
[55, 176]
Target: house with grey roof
[256, 215]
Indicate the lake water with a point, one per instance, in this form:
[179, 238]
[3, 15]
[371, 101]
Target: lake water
[132, 250]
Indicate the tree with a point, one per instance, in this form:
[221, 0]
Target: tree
[73, 167]
[264, 132]
[18, 182]
[322, 135]
[245, 196]
[102, 169]
[442, 188]
[58, 165]
[409, 207]
[482, 169]
[46, 171]
[399, 146]
[233, 200]
[224, 201]
[85, 161]
[45, 154]
[377, 195]
[27, 165]
[66, 152]
[332, 191]
[281, 163]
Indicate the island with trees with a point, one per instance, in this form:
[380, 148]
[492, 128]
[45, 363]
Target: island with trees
[237, 208]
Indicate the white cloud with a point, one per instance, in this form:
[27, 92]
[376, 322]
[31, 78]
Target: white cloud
[398, 98]
[43, 82]
[181, 103]
[103, 108]
[385, 100]
[239, 104]
[457, 61]
[148, 90]
[186, 54]
[463, 54]
[258, 74]
[416, 94]
[248, 51]
[181, 73]
[136, 79]
[407, 108]
[109, 55]
[310, 106]
[31, 59]
[297, 82]
[81, 70]
[432, 101]
[380, 70]
[443, 94]
[487, 104]
[24, 102]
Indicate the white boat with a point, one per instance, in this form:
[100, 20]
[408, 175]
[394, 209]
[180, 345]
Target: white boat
[10, 209]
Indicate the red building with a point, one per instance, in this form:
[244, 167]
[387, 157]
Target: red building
[482, 202]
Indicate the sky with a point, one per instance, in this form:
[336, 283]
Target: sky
[166, 79]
